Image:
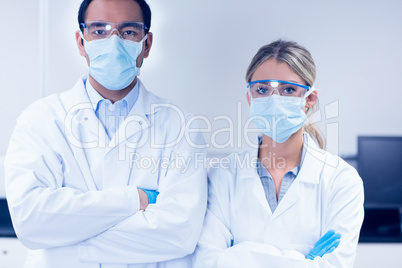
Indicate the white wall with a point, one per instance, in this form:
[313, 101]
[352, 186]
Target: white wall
[202, 49]
[19, 62]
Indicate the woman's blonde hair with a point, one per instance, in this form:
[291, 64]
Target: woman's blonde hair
[299, 59]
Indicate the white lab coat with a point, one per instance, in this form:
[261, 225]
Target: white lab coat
[327, 194]
[57, 152]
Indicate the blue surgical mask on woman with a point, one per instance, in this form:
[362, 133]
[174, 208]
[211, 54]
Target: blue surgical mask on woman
[113, 61]
[279, 117]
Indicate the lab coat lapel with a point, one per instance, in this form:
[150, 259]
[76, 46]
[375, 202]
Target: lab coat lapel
[291, 197]
[314, 161]
[257, 187]
[90, 125]
[81, 117]
[81, 128]
[254, 210]
[133, 127]
[309, 173]
[132, 135]
[259, 194]
[259, 213]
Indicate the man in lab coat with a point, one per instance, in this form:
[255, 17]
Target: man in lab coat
[106, 175]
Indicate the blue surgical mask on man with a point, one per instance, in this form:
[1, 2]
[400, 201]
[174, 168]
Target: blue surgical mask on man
[113, 61]
[278, 117]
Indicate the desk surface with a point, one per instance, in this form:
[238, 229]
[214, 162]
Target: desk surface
[369, 255]
[374, 255]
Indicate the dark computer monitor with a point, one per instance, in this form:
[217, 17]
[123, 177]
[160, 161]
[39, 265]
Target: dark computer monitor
[6, 227]
[380, 167]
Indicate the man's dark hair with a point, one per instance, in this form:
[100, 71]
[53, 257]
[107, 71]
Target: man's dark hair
[146, 13]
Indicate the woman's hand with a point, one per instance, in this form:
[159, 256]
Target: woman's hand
[328, 243]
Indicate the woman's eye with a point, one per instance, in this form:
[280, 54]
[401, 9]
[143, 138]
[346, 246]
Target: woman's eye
[289, 90]
[262, 90]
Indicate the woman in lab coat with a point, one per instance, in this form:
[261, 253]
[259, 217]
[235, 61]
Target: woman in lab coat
[270, 206]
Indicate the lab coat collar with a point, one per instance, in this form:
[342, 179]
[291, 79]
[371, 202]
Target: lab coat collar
[309, 173]
[79, 108]
[146, 102]
[314, 161]
[311, 167]
[138, 118]
[94, 96]
[77, 99]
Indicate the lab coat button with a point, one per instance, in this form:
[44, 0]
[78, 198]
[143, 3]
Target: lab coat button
[140, 122]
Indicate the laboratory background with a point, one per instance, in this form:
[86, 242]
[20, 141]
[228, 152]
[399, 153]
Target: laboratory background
[199, 57]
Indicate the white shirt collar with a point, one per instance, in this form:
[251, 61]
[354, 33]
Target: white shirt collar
[95, 97]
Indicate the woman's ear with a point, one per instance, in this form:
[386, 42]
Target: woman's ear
[248, 99]
[311, 99]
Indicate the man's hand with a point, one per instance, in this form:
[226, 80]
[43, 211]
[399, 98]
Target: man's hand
[147, 197]
[328, 243]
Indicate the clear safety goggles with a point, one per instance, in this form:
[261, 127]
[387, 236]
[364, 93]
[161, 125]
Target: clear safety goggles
[265, 88]
[129, 30]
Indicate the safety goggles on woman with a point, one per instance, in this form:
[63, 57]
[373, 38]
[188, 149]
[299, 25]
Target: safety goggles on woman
[265, 88]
